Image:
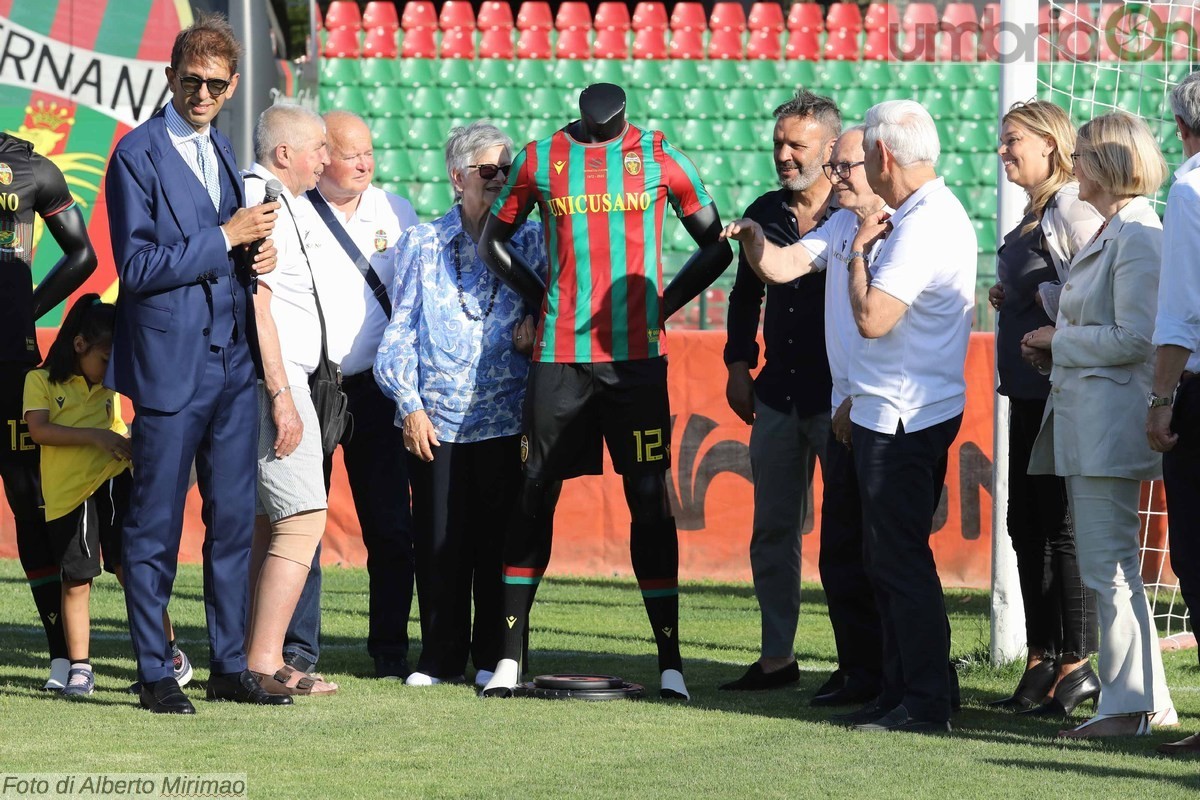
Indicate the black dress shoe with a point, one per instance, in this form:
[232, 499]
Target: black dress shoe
[868, 713]
[836, 680]
[845, 696]
[391, 668]
[898, 721]
[1072, 691]
[756, 680]
[1184, 747]
[165, 697]
[241, 687]
[1032, 689]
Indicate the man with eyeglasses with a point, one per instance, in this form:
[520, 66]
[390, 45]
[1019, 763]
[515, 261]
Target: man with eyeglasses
[352, 248]
[787, 405]
[185, 352]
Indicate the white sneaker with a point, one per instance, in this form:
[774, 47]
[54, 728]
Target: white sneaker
[60, 669]
[673, 687]
[482, 677]
[421, 679]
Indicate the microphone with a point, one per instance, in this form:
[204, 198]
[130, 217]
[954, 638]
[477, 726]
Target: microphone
[273, 189]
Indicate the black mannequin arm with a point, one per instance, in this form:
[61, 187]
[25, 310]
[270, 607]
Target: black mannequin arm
[508, 265]
[705, 265]
[76, 265]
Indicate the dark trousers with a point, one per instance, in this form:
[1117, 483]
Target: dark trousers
[373, 451]
[851, 601]
[1060, 612]
[900, 478]
[1181, 477]
[219, 429]
[462, 502]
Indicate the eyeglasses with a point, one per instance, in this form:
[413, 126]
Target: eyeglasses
[489, 171]
[191, 85]
[842, 169]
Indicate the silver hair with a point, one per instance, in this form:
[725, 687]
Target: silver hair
[468, 141]
[1185, 101]
[282, 123]
[907, 130]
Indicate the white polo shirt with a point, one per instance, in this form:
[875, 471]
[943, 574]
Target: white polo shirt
[914, 373]
[1178, 321]
[834, 241]
[354, 319]
[293, 307]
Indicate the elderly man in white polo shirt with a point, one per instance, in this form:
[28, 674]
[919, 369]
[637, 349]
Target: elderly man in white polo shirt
[352, 248]
[913, 302]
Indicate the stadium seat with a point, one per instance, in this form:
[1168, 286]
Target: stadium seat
[647, 74]
[416, 72]
[955, 170]
[841, 45]
[573, 15]
[683, 74]
[803, 45]
[545, 102]
[666, 103]
[989, 32]
[611, 44]
[939, 102]
[757, 167]
[425, 133]
[458, 43]
[977, 104]
[741, 135]
[341, 43]
[797, 73]
[534, 43]
[393, 166]
[836, 75]
[457, 15]
[419, 43]
[881, 46]
[428, 101]
[339, 72]
[715, 168]
[428, 166]
[418, 14]
[723, 75]
[608, 71]
[987, 75]
[806, 17]
[343, 15]
[534, 15]
[765, 16]
[876, 75]
[496, 43]
[574, 43]
[881, 17]
[380, 43]
[688, 16]
[920, 26]
[698, 134]
[378, 72]
[985, 167]
[433, 199]
[614, 15]
[954, 75]
[702, 104]
[650, 43]
[347, 98]
[985, 234]
[380, 14]
[725, 44]
[389, 133]
[686, 44]
[494, 14]
[764, 44]
[743, 103]
[761, 73]
[959, 33]
[649, 14]
[532, 73]
[727, 16]
[465, 102]
[318, 19]
[973, 136]
[843, 17]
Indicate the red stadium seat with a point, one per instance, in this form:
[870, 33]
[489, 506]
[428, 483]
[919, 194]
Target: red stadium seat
[960, 33]
[807, 17]
[380, 43]
[614, 16]
[725, 45]
[341, 43]
[843, 17]
[1077, 32]
[574, 43]
[989, 30]
[687, 44]
[534, 43]
[1183, 33]
[766, 16]
[458, 43]
[649, 14]
[727, 16]
[419, 43]
[380, 14]
[650, 43]
[343, 15]
[418, 14]
[573, 15]
[920, 24]
[496, 43]
[803, 45]
[881, 45]
[881, 16]
[534, 15]
[688, 16]
[457, 15]
[764, 44]
[841, 45]
[610, 44]
[494, 14]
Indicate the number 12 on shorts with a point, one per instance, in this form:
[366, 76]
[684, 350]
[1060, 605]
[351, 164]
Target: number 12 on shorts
[649, 445]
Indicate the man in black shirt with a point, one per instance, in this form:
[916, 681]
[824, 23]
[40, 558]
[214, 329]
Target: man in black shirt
[32, 186]
[788, 403]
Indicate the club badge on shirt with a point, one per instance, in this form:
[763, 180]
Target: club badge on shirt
[381, 241]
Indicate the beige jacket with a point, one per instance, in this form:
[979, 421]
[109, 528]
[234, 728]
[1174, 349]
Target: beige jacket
[1094, 422]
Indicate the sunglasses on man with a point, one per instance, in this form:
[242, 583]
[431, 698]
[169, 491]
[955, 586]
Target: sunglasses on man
[191, 85]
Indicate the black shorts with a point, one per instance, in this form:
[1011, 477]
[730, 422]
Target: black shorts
[16, 447]
[572, 409]
[93, 529]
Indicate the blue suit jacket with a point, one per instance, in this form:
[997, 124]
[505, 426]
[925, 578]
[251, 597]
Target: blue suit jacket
[167, 250]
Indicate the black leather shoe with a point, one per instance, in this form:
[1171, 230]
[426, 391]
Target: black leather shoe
[836, 680]
[898, 721]
[1072, 691]
[391, 668]
[1032, 689]
[845, 696]
[756, 680]
[241, 687]
[165, 697]
[1184, 747]
[868, 713]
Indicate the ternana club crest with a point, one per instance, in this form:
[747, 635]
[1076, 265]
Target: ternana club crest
[633, 163]
[381, 241]
[5, 174]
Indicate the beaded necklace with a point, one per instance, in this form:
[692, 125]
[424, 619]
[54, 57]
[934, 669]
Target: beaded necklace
[462, 300]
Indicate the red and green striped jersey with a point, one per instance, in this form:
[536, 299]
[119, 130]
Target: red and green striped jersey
[602, 207]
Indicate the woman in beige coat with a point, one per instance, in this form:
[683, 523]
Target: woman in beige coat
[1098, 355]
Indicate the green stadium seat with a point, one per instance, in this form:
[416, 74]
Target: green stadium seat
[743, 103]
[946, 129]
[339, 72]
[854, 103]
[375, 72]
[973, 136]
[986, 168]
[985, 233]
[505, 102]
[760, 73]
[389, 133]
[976, 104]
[433, 199]
[428, 166]
[981, 202]
[571, 73]
[955, 168]
[393, 166]
[665, 102]
[702, 104]
[644, 73]
[397, 101]
[1141, 103]
[453, 72]
[538, 129]
[835, 75]
[532, 73]
[427, 133]
[1109, 76]
[416, 71]
[715, 168]
[938, 101]
[916, 75]
[1082, 109]
[545, 102]
[876, 75]
[987, 75]
[723, 197]
[608, 70]
[757, 168]
[683, 73]
[954, 74]
[668, 127]
[963, 193]
[466, 102]
[699, 134]
[346, 98]
[1177, 71]
[491, 73]
[677, 239]
[741, 135]
[721, 73]
[794, 74]
[746, 194]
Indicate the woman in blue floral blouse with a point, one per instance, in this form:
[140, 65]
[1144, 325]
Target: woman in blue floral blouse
[455, 359]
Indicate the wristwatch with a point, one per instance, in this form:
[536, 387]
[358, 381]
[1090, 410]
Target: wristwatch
[1157, 401]
[853, 254]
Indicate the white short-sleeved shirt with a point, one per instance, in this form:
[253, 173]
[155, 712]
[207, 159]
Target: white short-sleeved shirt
[293, 307]
[354, 319]
[1178, 321]
[833, 241]
[914, 373]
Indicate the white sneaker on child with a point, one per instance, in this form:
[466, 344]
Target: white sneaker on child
[421, 679]
[60, 669]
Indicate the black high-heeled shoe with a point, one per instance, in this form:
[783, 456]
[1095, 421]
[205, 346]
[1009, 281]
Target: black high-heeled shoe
[1072, 691]
[1032, 689]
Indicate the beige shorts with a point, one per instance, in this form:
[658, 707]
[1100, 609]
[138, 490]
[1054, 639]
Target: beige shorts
[296, 483]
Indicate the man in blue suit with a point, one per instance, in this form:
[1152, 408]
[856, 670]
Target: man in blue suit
[184, 353]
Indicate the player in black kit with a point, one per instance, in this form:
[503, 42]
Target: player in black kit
[31, 185]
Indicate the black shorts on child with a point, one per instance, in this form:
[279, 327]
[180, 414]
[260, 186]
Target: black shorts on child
[91, 529]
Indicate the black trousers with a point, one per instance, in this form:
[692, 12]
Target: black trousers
[900, 477]
[373, 451]
[1060, 612]
[1181, 477]
[852, 611]
[462, 502]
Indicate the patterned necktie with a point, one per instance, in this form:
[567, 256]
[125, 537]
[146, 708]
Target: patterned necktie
[208, 169]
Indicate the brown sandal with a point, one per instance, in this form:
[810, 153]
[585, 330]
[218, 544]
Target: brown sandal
[281, 683]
